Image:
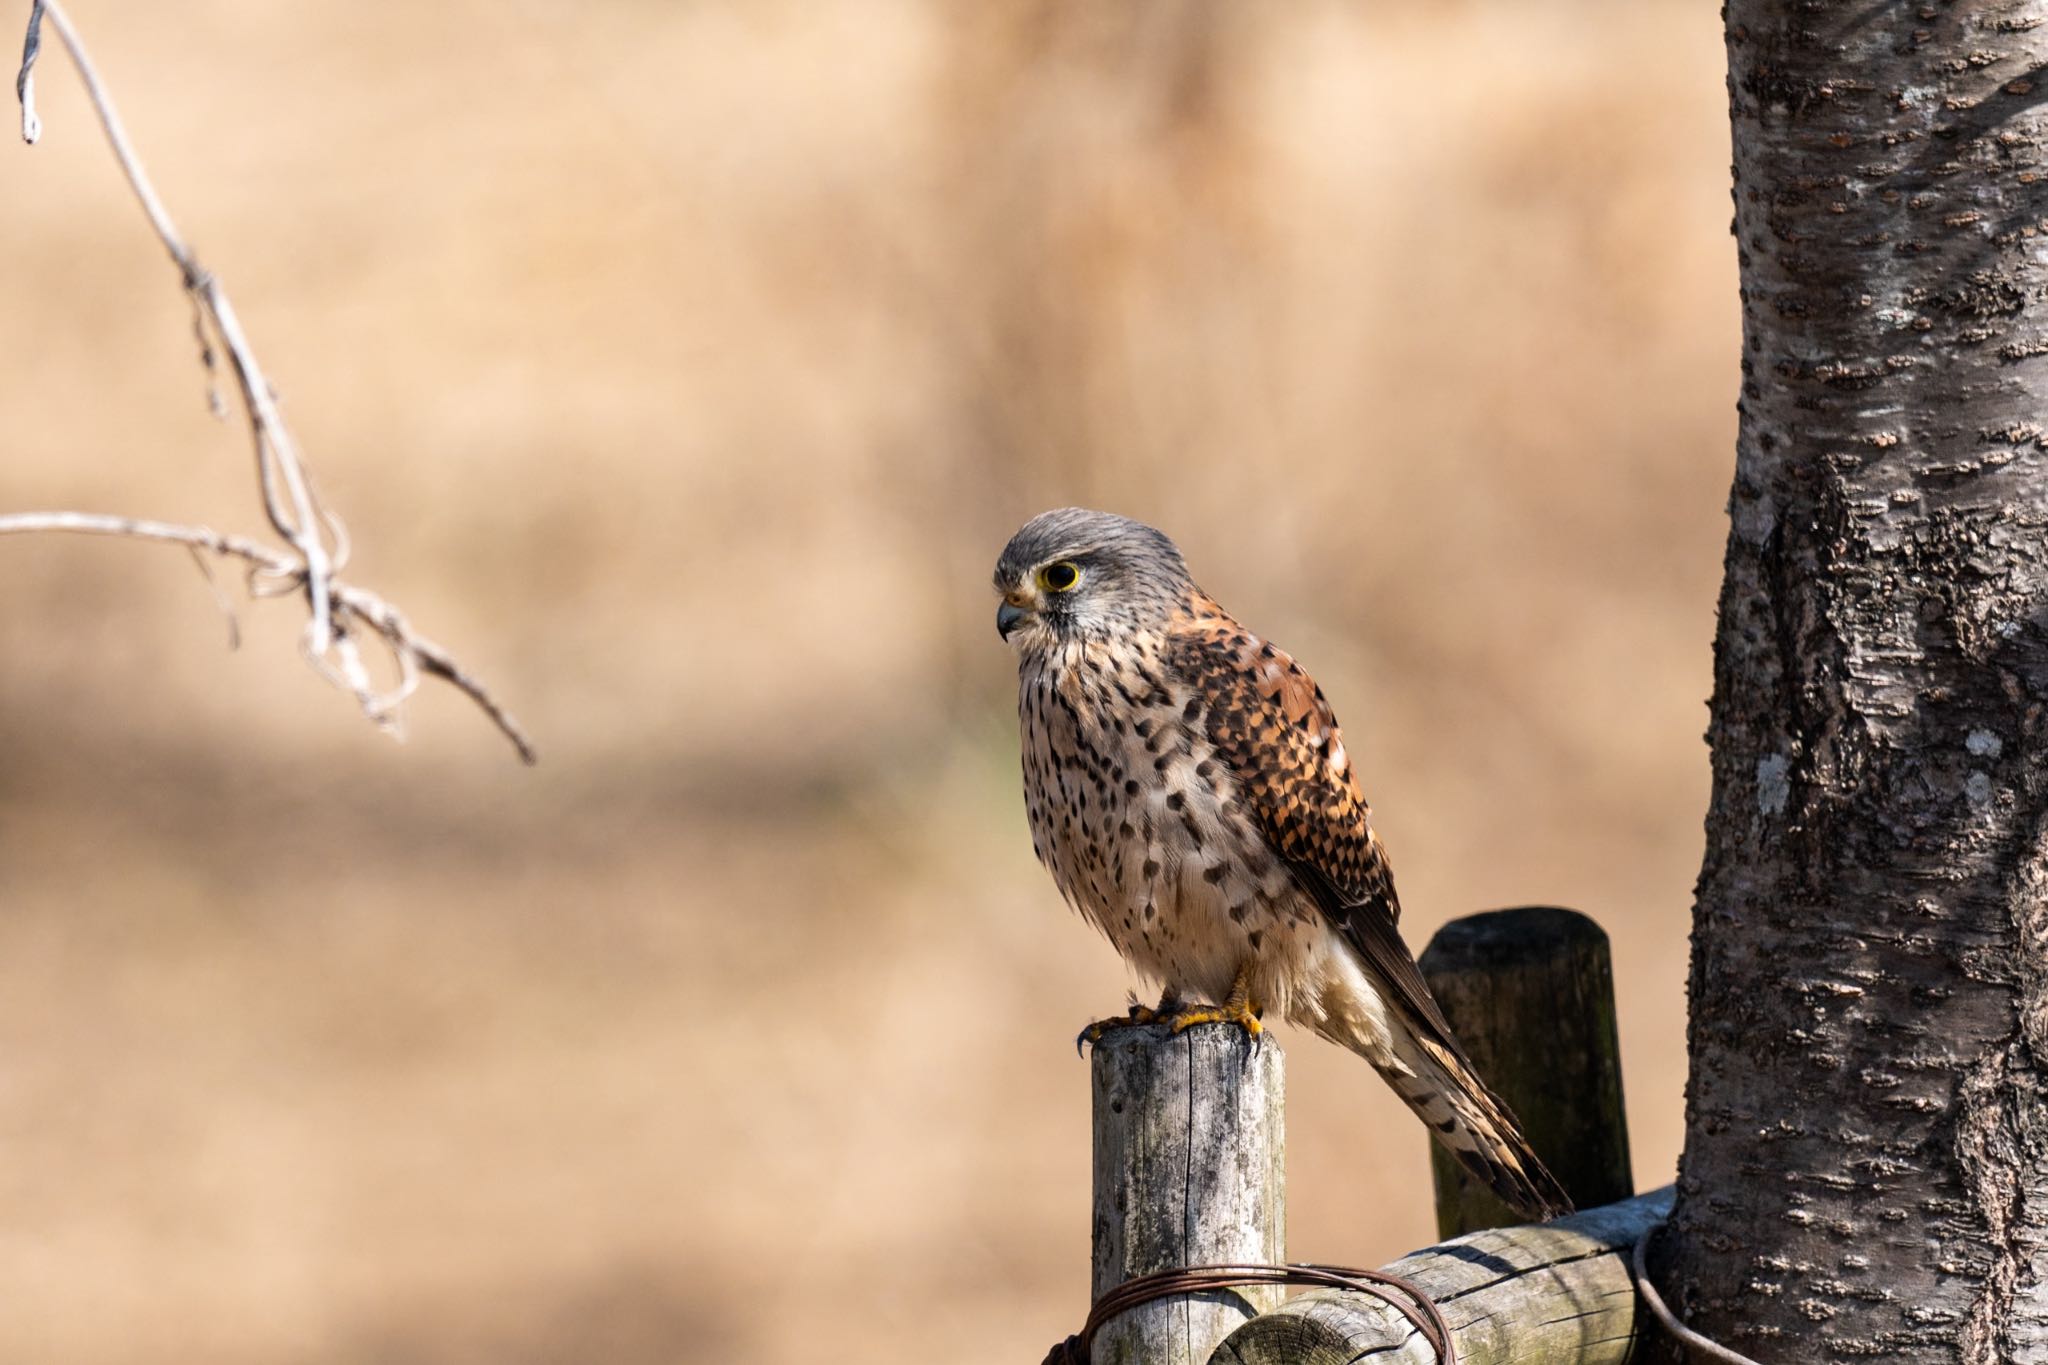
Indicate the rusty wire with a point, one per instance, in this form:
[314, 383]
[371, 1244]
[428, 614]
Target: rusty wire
[1646, 1288]
[1403, 1295]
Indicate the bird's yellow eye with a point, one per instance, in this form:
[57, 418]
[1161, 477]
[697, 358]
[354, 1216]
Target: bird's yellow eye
[1059, 577]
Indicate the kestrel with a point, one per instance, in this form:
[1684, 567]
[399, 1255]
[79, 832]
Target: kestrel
[1189, 790]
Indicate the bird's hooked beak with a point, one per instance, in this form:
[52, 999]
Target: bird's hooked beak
[1017, 607]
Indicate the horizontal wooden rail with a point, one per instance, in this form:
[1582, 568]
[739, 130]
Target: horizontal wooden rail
[1543, 1294]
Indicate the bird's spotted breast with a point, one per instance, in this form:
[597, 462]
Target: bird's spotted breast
[1136, 817]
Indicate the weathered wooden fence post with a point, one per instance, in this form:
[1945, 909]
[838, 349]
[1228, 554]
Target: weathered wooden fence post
[1188, 1171]
[1530, 993]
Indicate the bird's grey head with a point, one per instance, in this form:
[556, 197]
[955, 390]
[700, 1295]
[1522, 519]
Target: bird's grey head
[1073, 573]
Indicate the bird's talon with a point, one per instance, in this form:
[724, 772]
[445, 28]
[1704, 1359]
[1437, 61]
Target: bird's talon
[1095, 1032]
[1229, 1012]
[1178, 1020]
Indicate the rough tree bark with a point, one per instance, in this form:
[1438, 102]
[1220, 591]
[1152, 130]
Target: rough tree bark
[1866, 1164]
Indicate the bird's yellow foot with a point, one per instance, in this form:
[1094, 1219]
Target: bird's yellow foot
[1179, 1019]
[1232, 1011]
[1095, 1032]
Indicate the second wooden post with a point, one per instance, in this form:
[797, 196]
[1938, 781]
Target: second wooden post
[1530, 994]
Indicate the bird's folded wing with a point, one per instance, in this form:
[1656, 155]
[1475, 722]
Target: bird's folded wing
[1271, 726]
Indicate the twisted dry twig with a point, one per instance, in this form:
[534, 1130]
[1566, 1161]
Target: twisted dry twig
[317, 541]
[348, 605]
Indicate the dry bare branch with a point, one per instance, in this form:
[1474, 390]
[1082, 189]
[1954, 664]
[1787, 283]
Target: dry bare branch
[25, 83]
[318, 543]
[349, 606]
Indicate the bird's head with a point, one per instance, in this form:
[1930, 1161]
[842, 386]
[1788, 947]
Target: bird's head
[1073, 573]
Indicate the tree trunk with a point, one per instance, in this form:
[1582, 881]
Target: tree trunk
[1866, 1164]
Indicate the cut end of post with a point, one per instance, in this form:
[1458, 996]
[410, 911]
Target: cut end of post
[1513, 938]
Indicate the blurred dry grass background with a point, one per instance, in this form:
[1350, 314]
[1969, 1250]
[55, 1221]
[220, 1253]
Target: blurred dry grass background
[684, 366]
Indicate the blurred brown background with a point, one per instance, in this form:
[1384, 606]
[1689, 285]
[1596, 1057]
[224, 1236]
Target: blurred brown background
[684, 366]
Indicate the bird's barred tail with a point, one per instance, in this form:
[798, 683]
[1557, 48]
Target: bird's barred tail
[1475, 1127]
